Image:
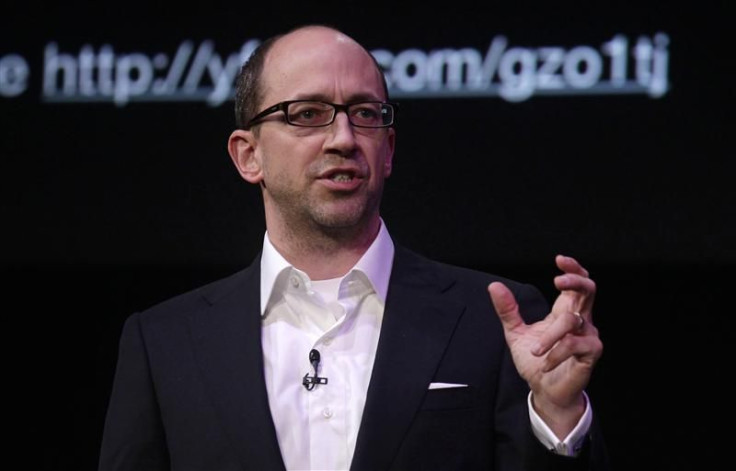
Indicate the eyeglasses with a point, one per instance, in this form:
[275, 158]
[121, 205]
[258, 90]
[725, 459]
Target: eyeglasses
[313, 114]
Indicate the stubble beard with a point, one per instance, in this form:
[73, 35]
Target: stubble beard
[314, 223]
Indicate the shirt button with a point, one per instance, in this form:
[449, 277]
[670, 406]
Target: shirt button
[327, 412]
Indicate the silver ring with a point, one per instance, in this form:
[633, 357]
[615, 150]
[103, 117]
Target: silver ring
[581, 321]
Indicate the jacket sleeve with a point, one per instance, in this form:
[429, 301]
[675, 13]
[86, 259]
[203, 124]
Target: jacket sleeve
[133, 435]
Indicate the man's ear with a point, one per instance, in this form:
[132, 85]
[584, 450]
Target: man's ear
[242, 148]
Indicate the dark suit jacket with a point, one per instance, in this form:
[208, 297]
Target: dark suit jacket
[189, 391]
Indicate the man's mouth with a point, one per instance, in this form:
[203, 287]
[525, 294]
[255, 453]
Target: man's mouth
[342, 177]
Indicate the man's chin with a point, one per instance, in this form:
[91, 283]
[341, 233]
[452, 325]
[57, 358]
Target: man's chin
[345, 221]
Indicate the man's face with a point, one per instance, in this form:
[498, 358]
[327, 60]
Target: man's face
[328, 177]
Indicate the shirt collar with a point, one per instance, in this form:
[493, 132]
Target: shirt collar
[375, 264]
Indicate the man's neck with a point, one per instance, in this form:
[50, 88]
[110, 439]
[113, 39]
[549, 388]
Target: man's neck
[324, 254]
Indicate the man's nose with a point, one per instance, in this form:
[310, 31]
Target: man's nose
[341, 131]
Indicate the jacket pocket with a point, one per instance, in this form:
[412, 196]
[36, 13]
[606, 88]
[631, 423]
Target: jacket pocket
[449, 398]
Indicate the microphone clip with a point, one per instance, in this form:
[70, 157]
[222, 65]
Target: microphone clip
[309, 382]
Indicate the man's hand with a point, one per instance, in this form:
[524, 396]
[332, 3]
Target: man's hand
[556, 355]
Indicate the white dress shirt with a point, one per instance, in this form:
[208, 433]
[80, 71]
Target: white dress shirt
[341, 318]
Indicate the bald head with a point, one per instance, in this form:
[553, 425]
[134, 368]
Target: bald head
[318, 32]
[295, 54]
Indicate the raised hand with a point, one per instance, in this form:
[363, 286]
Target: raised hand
[556, 355]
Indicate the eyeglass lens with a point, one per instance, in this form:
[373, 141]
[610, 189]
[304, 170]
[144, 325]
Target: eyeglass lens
[315, 113]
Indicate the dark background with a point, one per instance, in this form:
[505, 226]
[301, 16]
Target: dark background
[107, 210]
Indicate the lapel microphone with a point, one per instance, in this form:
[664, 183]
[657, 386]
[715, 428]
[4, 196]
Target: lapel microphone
[309, 382]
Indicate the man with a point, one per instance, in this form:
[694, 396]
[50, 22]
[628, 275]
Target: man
[337, 348]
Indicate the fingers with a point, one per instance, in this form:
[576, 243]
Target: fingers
[580, 322]
[565, 341]
[569, 320]
[570, 265]
[586, 347]
[573, 282]
[577, 288]
[570, 323]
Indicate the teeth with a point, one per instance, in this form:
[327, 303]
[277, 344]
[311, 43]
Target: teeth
[341, 177]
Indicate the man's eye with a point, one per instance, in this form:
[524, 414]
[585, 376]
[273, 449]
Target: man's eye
[367, 113]
[307, 114]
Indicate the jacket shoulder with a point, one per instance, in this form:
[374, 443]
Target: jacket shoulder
[469, 284]
[450, 272]
[203, 296]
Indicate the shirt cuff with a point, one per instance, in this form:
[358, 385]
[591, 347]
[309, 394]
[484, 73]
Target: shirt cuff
[573, 443]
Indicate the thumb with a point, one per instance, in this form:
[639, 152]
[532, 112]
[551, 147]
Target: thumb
[505, 304]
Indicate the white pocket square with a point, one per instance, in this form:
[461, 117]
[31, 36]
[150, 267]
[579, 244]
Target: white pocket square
[446, 385]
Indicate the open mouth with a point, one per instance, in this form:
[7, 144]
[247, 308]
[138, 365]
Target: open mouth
[342, 177]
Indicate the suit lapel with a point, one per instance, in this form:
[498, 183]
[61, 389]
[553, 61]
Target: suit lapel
[417, 325]
[227, 344]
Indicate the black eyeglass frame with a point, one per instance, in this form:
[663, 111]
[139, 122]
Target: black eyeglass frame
[284, 106]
